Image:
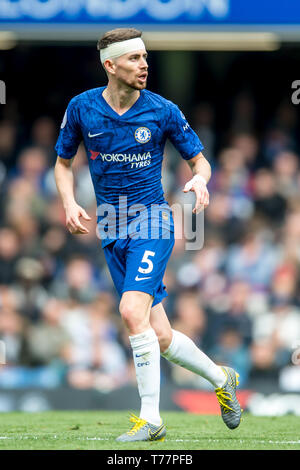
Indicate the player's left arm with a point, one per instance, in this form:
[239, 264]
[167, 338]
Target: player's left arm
[188, 143]
[202, 172]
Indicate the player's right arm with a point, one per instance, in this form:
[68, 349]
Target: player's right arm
[65, 185]
[67, 144]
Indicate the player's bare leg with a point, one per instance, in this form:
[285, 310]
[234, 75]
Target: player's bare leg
[135, 309]
[161, 325]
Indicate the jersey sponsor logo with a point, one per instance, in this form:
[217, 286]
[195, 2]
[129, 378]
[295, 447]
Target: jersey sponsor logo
[94, 135]
[137, 160]
[142, 135]
[125, 157]
[94, 154]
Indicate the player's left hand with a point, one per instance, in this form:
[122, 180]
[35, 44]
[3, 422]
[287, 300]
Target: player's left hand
[202, 194]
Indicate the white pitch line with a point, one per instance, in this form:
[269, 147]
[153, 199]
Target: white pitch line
[284, 442]
[241, 441]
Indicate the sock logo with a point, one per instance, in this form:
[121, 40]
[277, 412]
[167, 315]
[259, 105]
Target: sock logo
[144, 355]
[141, 364]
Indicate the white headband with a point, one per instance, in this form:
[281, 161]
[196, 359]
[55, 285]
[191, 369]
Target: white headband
[119, 48]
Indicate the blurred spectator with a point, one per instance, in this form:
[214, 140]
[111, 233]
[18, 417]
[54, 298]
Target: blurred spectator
[54, 247]
[77, 282]
[263, 358]
[286, 117]
[23, 212]
[9, 253]
[273, 337]
[232, 180]
[284, 285]
[276, 140]
[8, 136]
[248, 144]
[32, 165]
[267, 200]
[220, 221]
[54, 213]
[286, 174]
[46, 341]
[190, 319]
[203, 124]
[41, 348]
[280, 325]
[234, 314]
[253, 260]
[30, 294]
[232, 174]
[96, 358]
[43, 134]
[12, 334]
[243, 113]
[207, 265]
[231, 350]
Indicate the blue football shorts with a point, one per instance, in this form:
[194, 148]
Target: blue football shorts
[140, 264]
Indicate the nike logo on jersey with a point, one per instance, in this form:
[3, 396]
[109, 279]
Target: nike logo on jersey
[94, 135]
[137, 278]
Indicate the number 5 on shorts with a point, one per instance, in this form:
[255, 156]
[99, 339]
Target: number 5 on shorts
[148, 261]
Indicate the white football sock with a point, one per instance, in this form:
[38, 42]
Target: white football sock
[146, 356]
[184, 352]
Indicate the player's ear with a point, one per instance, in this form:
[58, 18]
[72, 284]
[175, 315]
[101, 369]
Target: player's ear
[110, 66]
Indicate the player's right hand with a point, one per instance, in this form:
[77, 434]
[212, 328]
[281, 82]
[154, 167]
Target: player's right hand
[73, 213]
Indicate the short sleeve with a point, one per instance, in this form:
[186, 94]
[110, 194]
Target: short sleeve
[70, 134]
[182, 136]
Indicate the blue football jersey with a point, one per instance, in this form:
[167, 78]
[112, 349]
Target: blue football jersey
[125, 153]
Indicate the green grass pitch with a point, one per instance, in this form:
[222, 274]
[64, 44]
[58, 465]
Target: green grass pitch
[97, 430]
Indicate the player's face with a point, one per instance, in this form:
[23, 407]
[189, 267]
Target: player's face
[132, 69]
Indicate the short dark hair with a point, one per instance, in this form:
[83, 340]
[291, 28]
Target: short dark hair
[117, 35]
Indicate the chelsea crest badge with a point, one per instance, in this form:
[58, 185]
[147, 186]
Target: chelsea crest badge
[142, 135]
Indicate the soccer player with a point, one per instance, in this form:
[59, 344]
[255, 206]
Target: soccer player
[124, 128]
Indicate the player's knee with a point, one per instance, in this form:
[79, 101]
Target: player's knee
[132, 316]
[126, 311]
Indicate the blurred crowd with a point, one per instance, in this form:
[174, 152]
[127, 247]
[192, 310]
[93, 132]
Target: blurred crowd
[237, 297]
